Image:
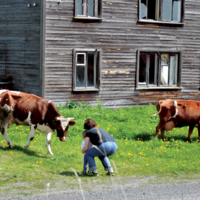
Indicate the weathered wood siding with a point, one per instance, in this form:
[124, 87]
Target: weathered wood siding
[119, 36]
[20, 31]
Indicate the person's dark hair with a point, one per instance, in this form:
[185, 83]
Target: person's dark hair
[89, 123]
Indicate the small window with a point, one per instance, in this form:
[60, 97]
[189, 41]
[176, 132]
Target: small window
[158, 69]
[88, 9]
[161, 11]
[86, 70]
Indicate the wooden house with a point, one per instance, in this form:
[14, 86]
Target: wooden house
[121, 53]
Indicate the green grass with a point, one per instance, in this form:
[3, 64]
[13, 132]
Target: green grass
[138, 152]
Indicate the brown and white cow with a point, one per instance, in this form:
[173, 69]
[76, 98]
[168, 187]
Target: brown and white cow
[30, 110]
[178, 113]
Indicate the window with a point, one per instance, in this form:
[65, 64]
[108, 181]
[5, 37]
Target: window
[165, 11]
[158, 69]
[86, 70]
[88, 9]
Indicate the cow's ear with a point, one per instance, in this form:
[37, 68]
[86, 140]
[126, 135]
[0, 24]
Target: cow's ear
[71, 123]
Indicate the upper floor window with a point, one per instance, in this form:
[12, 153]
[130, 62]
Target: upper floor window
[88, 9]
[86, 70]
[161, 11]
[158, 69]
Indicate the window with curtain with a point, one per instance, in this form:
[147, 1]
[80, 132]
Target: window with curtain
[162, 10]
[158, 69]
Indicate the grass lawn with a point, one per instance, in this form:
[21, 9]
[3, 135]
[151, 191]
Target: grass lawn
[138, 152]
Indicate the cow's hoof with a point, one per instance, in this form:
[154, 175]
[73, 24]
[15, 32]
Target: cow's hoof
[50, 152]
[10, 145]
[26, 146]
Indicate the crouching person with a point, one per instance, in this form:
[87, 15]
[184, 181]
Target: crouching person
[105, 146]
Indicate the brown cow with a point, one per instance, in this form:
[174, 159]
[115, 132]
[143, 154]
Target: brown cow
[30, 110]
[178, 113]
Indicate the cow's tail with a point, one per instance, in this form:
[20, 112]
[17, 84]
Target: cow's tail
[158, 106]
[155, 114]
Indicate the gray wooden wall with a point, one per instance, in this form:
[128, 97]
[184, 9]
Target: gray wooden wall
[20, 31]
[119, 36]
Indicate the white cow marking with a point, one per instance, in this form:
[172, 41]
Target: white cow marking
[32, 135]
[44, 128]
[176, 113]
[7, 108]
[1, 91]
[48, 139]
[175, 103]
[64, 122]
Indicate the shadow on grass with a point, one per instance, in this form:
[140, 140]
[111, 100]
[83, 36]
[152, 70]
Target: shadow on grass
[149, 136]
[67, 173]
[22, 149]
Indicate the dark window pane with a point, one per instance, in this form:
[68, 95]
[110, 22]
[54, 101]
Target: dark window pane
[142, 68]
[152, 69]
[176, 10]
[167, 10]
[97, 83]
[80, 78]
[92, 8]
[152, 9]
[90, 70]
[80, 58]
[143, 8]
[80, 7]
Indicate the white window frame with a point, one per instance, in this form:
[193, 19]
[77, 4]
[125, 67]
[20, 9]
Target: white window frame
[97, 69]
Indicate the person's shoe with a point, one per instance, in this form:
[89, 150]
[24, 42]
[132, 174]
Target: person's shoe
[82, 173]
[91, 173]
[110, 173]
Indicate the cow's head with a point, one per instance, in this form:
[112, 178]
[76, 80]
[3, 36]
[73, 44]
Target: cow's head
[62, 126]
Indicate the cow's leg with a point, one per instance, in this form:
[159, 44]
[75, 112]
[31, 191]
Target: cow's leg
[190, 132]
[163, 134]
[31, 136]
[4, 133]
[158, 128]
[48, 141]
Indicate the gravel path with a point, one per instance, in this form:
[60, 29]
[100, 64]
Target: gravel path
[116, 188]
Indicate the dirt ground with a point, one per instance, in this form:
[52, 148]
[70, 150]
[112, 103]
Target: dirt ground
[112, 188]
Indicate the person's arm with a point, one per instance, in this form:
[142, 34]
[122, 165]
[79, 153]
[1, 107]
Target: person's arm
[87, 142]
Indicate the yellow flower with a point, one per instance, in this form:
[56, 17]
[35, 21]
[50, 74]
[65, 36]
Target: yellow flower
[147, 165]
[123, 163]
